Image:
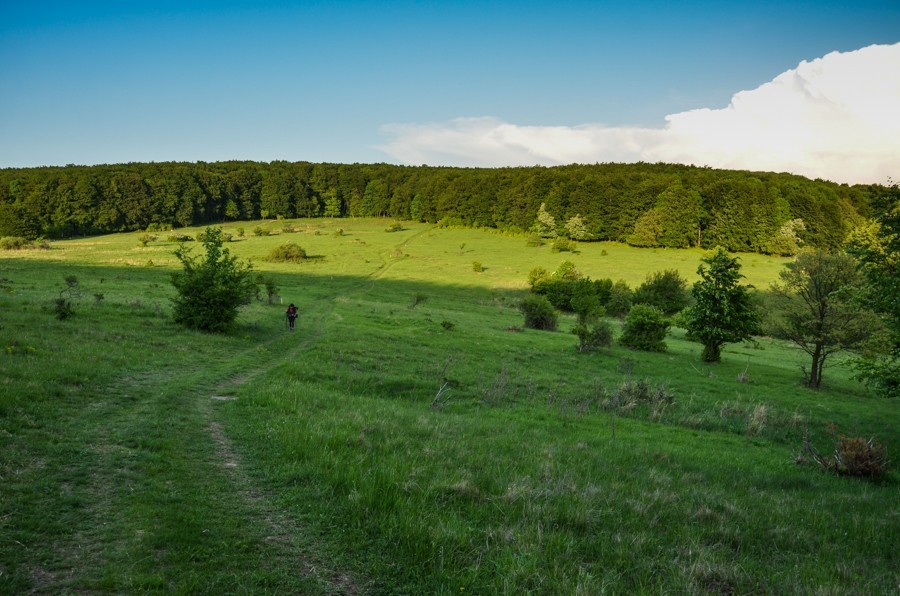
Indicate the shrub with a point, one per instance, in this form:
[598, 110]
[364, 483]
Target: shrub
[853, 456]
[240, 232]
[539, 313]
[287, 253]
[477, 267]
[856, 456]
[564, 245]
[15, 243]
[631, 393]
[210, 290]
[645, 329]
[417, 299]
[537, 276]
[593, 336]
[666, 290]
[180, 238]
[395, 227]
[63, 308]
[270, 286]
[587, 307]
[145, 239]
[448, 325]
[620, 299]
[259, 231]
[534, 240]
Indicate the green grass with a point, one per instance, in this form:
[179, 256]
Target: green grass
[139, 456]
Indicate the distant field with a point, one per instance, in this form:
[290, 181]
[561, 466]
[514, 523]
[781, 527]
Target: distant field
[137, 455]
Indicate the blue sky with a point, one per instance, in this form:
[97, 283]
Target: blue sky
[109, 82]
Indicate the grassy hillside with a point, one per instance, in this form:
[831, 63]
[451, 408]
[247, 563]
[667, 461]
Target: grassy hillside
[137, 455]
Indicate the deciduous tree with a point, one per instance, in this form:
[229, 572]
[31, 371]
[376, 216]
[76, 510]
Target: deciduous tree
[723, 311]
[815, 308]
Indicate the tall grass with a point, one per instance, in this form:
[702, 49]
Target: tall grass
[137, 455]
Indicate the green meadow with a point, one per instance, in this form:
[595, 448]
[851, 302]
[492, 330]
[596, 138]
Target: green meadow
[410, 436]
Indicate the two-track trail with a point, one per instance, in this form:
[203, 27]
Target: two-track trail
[170, 502]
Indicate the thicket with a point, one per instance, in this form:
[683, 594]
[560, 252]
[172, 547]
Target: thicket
[646, 204]
[211, 289]
[645, 329]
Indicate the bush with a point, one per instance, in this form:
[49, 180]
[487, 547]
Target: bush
[240, 232]
[15, 243]
[63, 308]
[271, 287]
[593, 336]
[287, 253]
[645, 329]
[539, 313]
[620, 299]
[210, 290]
[146, 239]
[564, 245]
[395, 227]
[853, 456]
[666, 290]
[856, 456]
[477, 266]
[259, 231]
[180, 238]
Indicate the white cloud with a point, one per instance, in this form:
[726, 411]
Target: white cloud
[836, 117]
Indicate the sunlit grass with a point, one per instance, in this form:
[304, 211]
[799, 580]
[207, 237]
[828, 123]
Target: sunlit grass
[137, 455]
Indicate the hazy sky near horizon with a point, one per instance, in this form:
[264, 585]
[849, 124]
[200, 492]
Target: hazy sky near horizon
[784, 86]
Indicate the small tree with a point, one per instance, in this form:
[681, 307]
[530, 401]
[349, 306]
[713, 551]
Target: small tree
[666, 290]
[723, 311]
[576, 228]
[539, 313]
[545, 224]
[621, 297]
[645, 329]
[211, 290]
[814, 308]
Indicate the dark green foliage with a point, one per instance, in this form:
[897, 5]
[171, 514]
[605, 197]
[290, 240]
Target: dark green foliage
[394, 227]
[63, 308]
[287, 253]
[666, 290]
[180, 238]
[621, 297]
[539, 312]
[648, 204]
[145, 239]
[477, 267]
[723, 311]
[645, 329]
[594, 335]
[587, 305]
[448, 325]
[877, 248]
[211, 289]
[814, 307]
[257, 231]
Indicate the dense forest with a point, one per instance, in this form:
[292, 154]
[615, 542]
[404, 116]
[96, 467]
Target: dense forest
[642, 204]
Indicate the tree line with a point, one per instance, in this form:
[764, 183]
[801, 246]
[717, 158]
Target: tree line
[664, 205]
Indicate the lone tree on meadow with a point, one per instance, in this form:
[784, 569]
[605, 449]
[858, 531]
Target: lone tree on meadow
[815, 308]
[723, 312]
[211, 290]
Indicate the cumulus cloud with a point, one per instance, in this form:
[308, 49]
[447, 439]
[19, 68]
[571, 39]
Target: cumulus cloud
[835, 117]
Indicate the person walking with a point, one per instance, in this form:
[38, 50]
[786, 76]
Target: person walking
[291, 315]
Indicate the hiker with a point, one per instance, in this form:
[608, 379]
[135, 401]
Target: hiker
[291, 315]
